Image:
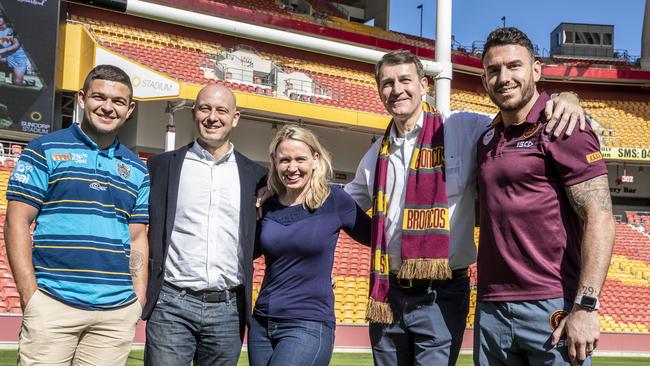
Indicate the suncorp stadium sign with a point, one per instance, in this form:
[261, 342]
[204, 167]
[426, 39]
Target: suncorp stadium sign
[146, 83]
[626, 153]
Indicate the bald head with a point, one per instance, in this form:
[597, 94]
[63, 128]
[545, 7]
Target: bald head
[217, 90]
[215, 115]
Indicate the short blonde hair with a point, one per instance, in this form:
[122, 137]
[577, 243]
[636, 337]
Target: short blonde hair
[319, 186]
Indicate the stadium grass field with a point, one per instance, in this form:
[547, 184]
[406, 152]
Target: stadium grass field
[8, 357]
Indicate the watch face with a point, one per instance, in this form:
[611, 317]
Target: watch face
[589, 301]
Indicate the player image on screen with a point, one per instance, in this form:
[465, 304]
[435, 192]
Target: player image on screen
[13, 56]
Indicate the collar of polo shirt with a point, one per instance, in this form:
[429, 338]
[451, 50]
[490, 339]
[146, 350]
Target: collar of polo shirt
[111, 151]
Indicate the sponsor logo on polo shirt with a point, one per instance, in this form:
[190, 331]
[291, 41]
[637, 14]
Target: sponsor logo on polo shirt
[20, 172]
[427, 158]
[422, 219]
[80, 158]
[19, 177]
[23, 167]
[555, 318]
[61, 157]
[98, 187]
[525, 144]
[124, 170]
[488, 137]
[594, 157]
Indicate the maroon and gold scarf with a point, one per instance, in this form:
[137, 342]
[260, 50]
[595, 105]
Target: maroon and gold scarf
[425, 227]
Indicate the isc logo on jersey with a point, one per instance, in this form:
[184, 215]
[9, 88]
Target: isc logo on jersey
[98, 187]
[525, 144]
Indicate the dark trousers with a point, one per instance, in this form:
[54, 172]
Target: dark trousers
[183, 329]
[428, 325]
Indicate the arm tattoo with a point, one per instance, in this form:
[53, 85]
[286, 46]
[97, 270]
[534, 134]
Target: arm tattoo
[590, 194]
[135, 262]
[589, 291]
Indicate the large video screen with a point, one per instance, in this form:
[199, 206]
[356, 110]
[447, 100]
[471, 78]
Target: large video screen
[28, 41]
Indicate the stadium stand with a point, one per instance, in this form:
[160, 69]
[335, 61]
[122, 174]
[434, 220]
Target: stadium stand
[625, 123]
[626, 297]
[462, 100]
[326, 22]
[329, 23]
[195, 61]
[269, 6]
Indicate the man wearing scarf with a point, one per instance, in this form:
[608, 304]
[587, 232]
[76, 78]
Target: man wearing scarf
[419, 180]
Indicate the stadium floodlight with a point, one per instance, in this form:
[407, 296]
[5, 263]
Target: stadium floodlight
[441, 69]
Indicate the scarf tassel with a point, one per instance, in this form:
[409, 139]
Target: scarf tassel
[379, 312]
[425, 269]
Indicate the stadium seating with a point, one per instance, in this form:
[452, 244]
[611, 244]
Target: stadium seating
[270, 6]
[462, 100]
[625, 123]
[325, 21]
[625, 298]
[192, 61]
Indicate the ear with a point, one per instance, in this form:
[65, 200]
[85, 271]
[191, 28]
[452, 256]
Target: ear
[537, 70]
[131, 109]
[316, 161]
[80, 98]
[235, 119]
[424, 84]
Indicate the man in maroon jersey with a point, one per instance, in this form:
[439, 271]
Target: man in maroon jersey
[547, 229]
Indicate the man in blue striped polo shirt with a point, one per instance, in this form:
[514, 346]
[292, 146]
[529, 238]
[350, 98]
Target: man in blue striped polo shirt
[82, 280]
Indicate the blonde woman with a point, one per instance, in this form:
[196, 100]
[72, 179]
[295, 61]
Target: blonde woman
[293, 321]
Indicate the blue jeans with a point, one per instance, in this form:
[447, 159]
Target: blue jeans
[428, 325]
[289, 342]
[519, 333]
[182, 329]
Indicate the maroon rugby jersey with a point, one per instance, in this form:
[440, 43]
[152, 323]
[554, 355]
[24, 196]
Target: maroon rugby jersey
[529, 244]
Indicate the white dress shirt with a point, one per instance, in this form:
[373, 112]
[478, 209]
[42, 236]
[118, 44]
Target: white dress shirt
[204, 250]
[462, 130]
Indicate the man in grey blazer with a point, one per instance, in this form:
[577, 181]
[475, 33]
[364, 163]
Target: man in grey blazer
[201, 235]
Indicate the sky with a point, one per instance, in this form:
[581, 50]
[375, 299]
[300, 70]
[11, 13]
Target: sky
[472, 20]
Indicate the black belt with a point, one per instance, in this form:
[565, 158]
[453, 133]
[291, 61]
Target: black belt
[422, 284]
[208, 295]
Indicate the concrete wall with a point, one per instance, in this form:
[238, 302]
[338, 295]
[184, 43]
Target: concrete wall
[151, 126]
[379, 10]
[573, 48]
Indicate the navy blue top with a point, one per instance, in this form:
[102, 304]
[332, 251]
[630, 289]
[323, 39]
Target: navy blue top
[298, 246]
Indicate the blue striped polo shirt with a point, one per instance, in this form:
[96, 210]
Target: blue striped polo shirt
[86, 198]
